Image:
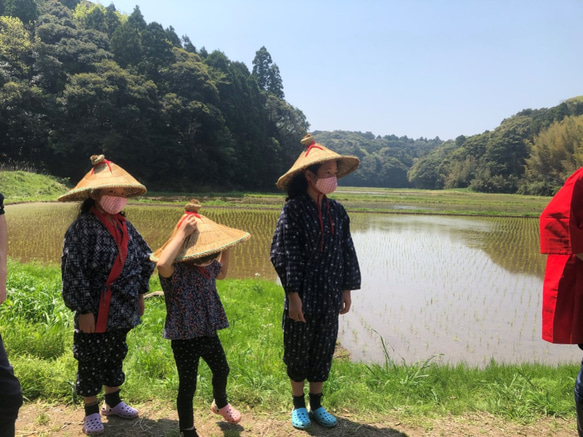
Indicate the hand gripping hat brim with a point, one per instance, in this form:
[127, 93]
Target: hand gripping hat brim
[104, 174]
[209, 237]
[316, 153]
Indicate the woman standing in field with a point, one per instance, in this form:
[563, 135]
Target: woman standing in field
[313, 254]
[189, 263]
[105, 272]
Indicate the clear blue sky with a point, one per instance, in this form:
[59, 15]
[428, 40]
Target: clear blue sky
[421, 68]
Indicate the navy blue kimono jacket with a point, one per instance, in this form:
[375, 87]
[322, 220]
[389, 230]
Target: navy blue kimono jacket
[313, 253]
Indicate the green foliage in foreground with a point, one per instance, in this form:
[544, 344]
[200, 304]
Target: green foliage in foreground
[37, 331]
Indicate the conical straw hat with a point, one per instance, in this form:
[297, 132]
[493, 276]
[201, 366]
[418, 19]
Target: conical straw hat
[104, 174]
[208, 238]
[316, 153]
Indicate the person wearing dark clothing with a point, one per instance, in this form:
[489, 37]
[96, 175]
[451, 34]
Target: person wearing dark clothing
[105, 269]
[314, 256]
[10, 390]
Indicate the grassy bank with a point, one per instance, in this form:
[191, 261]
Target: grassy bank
[37, 331]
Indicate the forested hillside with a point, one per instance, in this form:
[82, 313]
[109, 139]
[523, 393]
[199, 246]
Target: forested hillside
[532, 152]
[78, 78]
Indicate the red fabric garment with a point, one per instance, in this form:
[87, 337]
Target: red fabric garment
[561, 237]
[119, 232]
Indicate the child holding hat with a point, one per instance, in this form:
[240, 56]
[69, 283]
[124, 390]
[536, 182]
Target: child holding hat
[314, 256]
[105, 269]
[189, 263]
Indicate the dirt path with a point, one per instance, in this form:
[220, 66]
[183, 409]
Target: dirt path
[57, 420]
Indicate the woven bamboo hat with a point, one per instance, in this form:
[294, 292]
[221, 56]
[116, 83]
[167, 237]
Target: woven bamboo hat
[209, 238]
[104, 174]
[316, 153]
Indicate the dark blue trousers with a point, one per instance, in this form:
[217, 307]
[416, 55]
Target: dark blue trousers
[10, 395]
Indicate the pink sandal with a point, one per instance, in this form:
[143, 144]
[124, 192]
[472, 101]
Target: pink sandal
[122, 410]
[92, 424]
[229, 413]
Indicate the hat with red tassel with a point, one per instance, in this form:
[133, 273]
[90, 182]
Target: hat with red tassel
[104, 174]
[209, 238]
[315, 153]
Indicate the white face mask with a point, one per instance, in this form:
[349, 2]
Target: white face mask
[327, 185]
[113, 204]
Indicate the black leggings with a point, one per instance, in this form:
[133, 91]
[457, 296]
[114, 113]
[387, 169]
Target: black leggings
[187, 354]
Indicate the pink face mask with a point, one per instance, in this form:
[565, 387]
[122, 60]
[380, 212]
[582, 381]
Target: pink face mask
[327, 185]
[113, 204]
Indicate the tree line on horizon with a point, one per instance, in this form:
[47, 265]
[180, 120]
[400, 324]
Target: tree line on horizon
[78, 78]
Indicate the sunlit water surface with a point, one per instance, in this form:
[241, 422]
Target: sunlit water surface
[430, 288]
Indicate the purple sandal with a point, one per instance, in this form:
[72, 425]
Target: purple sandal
[92, 424]
[122, 410]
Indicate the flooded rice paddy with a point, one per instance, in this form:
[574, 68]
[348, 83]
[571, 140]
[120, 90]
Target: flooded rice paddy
[460, 289]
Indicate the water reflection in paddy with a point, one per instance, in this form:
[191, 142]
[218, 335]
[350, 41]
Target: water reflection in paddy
[467, 288]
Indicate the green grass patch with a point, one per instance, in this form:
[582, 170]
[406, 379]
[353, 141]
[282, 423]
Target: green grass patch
[24, 186]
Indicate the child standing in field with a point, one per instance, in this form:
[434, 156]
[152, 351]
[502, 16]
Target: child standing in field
[189, 263]
[105, 272]
[313, 254]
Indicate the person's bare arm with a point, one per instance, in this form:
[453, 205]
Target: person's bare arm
[168, 255]
[224, 260]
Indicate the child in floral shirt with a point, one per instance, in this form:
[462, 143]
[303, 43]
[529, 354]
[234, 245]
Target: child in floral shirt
[188, 265]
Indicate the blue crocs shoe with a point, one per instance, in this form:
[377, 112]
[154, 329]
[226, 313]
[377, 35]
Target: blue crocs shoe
[323, 418]
[300, 418]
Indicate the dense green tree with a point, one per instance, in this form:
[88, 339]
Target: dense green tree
[126, 45]
[189, 77]
[109, 111]
[16, 50]
[555, 154]
[173, 37]
[112, 20]
[126, 40]
[71, 4]
[25, 10]
[187, 44]
[267, 73]
[91, 16]
[158, 51]
[287, 125]
[426, 174]
[23, 124]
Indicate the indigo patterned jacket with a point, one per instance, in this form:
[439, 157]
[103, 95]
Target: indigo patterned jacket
[89, 252]
[315, 258]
